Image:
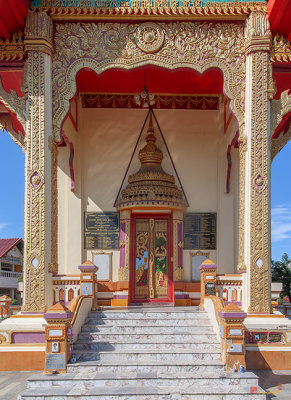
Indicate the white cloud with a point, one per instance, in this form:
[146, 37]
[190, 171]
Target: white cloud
[281, 222]
[2, 225]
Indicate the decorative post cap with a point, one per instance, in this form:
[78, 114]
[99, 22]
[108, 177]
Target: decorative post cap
[232, 311]
[88, 267]
[58, 312]
[5, 298]
[208, 264]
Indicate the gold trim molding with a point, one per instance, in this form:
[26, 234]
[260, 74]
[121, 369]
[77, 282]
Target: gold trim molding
[258, 36]
[14, 104]
[150, 10]
[103, 46]
[279, 108]
[281, 49]
[12, 49]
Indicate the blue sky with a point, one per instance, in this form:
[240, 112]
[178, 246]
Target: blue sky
[12, 195]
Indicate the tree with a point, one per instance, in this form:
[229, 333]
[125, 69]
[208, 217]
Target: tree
[281, 272]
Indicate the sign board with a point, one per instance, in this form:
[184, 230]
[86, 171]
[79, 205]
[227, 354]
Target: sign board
[210, 289]
[101, 230]
[86, 289]
[103, 262]
[55, 361]
[200, 231]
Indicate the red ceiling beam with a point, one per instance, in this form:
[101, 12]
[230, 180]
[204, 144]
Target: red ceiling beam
[279, 13]
[3, 30]
[15, 9]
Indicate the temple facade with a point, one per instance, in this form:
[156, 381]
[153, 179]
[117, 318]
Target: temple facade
[148, 131]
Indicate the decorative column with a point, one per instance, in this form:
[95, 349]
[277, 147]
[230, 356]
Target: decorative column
[88, 281]
[232, 335]
[38, 183]
[178, 245]
[58, 320]
[242, 165]
[123, 273]
[257, 169]
[208, 280]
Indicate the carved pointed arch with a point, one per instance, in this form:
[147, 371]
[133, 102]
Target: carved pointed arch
[13, 118]
[101, 46]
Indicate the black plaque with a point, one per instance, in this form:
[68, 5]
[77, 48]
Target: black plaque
[101, 230]
[275, 337]
[55, 361]
[210, 289]
[200, 231]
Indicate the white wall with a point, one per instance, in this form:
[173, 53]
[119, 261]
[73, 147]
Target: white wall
[103, 147]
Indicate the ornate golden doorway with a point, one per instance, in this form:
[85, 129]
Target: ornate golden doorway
[151, 275]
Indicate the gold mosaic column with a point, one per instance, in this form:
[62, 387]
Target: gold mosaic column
[123, 273]
[257, 175]
[38, 163]
[242, 164]
[178, 245]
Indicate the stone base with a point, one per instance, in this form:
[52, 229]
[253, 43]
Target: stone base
[119, 302]
[271, 360]
[28, 359]
[182, 302]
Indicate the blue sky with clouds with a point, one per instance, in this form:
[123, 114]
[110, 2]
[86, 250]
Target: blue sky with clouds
[12, 195]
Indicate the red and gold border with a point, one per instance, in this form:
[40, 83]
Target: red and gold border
[118, 100]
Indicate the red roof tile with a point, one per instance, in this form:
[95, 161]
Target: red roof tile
[7, 244]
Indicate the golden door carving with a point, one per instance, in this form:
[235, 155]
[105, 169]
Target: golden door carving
[151, 259]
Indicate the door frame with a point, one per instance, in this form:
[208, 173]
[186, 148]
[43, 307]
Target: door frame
[148, 215]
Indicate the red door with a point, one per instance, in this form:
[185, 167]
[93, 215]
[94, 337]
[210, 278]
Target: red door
[151, 274]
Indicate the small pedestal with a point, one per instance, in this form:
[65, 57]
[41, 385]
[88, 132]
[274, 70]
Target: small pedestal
[232, 337]
[88, 281]
[208, 280]
[56, 335]
[5, 304]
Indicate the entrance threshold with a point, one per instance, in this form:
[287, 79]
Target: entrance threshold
[152, 304]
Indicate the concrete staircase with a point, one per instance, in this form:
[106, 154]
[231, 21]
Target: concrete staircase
[145, 354]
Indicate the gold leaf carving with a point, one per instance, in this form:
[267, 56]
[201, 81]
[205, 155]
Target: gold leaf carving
[101, 46]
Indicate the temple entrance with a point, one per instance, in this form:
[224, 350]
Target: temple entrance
[151, 267]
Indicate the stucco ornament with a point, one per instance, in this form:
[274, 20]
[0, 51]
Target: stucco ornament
[149, 37]
[258, 44]
[280, 108]
[38, 36]
[17, 106]
[195, 45]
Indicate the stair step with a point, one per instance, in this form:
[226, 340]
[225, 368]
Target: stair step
[195, 322]
[152, 353]
[218, 384]
[148, 314]
[137, 395]
[124, 347]
[146, 330]
[149, 338]
[135, 371]
[143, 359]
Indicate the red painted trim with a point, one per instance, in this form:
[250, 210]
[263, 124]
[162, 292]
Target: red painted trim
[228, 120]
[169, 218]
[3, 30]
[276, 10]
[71, 159]
[283, 127]
[15, 10]
[229, 162]
[72, 119]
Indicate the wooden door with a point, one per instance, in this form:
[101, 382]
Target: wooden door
[151, 269]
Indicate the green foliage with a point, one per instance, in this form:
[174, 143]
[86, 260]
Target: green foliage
[161, 265]
[281, 272]
[20, 279]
